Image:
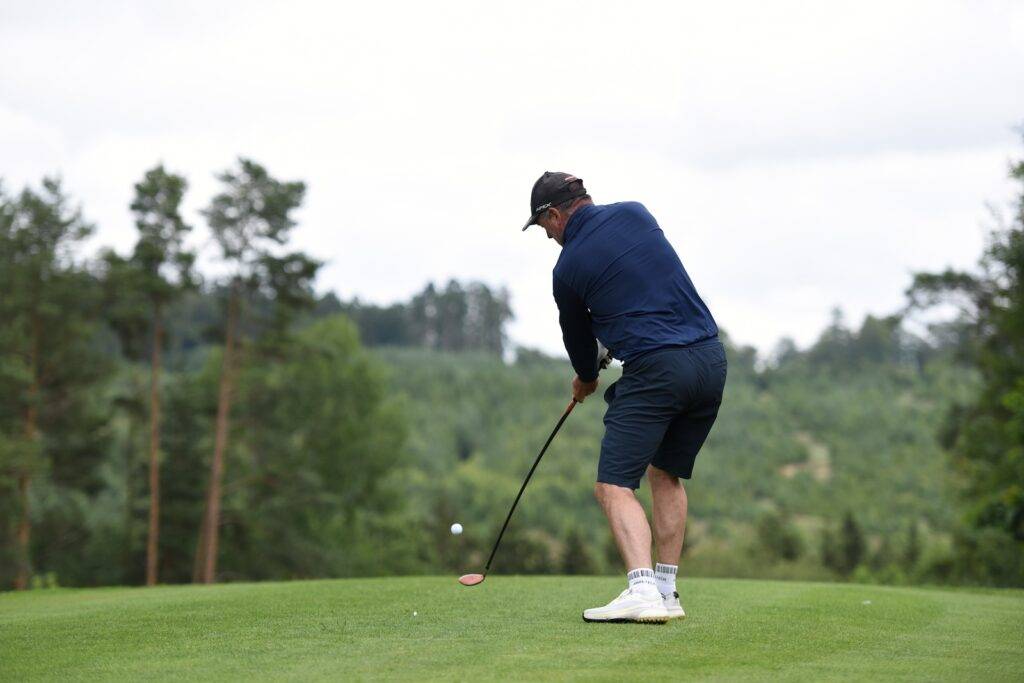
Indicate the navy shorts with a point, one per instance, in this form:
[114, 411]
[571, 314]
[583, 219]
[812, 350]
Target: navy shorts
[661, 411]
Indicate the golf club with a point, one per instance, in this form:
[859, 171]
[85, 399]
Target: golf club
[474, 579]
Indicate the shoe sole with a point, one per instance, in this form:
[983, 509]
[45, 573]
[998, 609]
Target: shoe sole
[629, 620]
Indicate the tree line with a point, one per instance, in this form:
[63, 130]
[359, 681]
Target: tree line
[61, 312]
[158, 426]
[128, 383]
[458, 317]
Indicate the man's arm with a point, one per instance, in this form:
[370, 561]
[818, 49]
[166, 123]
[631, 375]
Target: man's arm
[576, 333]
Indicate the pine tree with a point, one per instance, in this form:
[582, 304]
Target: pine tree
[985, 437]
[777, 536]
[250, 220]
[851, 544]
[160, 248]
[44, 336]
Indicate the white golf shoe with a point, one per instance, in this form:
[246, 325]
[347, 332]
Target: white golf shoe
[672, 606]
[634, 604]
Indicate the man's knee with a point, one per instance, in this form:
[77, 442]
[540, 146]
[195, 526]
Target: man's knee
[657, 474]
[659, 477]
[606, 493]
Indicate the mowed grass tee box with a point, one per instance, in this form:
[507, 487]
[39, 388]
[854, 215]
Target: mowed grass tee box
[524, 628]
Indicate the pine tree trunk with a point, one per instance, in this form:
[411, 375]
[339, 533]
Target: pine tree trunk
[153, 539]
[129, 500]
[24, 533]
[24, 566]
[206, 560]
[200, 558]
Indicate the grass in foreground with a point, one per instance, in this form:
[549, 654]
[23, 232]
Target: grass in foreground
[510, 627]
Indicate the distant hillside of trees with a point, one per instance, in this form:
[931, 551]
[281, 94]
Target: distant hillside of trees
[459, 317]
[815, 455]
[157, 428]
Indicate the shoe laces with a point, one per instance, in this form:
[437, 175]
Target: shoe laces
[637, 592]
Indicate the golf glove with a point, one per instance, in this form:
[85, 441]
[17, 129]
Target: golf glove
[604, 356]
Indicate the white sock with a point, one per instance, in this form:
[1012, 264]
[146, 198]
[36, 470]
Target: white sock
[642, 579]
[665, 577]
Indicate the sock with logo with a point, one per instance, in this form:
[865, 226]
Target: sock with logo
[665, 577]
[642, 579]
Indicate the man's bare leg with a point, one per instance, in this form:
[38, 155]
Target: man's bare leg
[669, 515]
[628, 523]
[642, 601]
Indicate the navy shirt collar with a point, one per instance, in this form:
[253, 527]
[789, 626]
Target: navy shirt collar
[575, 221]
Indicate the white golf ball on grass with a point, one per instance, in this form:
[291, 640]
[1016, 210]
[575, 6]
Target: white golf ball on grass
[456, 528]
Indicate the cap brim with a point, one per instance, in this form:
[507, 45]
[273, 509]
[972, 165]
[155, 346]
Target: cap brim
[532, 221]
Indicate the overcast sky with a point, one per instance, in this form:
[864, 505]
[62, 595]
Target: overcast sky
[798, 155]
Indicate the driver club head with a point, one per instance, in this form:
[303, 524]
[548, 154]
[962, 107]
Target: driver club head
[476, 579]
[471, 579]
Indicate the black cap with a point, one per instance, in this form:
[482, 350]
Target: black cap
[551, 189]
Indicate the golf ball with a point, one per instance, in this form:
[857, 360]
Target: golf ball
[456, 528]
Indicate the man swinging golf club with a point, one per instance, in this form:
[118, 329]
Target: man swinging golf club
[618, 280]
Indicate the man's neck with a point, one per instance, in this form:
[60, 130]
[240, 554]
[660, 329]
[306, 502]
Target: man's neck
[572, 225]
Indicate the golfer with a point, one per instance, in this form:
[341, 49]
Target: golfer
[619, 281]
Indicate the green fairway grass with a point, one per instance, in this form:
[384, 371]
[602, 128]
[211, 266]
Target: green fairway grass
[527, 628]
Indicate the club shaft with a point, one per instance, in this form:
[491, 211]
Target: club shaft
[572, 404]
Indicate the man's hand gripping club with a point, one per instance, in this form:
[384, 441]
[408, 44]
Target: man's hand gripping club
[581, 389]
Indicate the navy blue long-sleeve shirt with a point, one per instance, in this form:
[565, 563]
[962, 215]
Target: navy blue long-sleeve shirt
[619, 280]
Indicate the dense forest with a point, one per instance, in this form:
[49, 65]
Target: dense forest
[159, 427]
